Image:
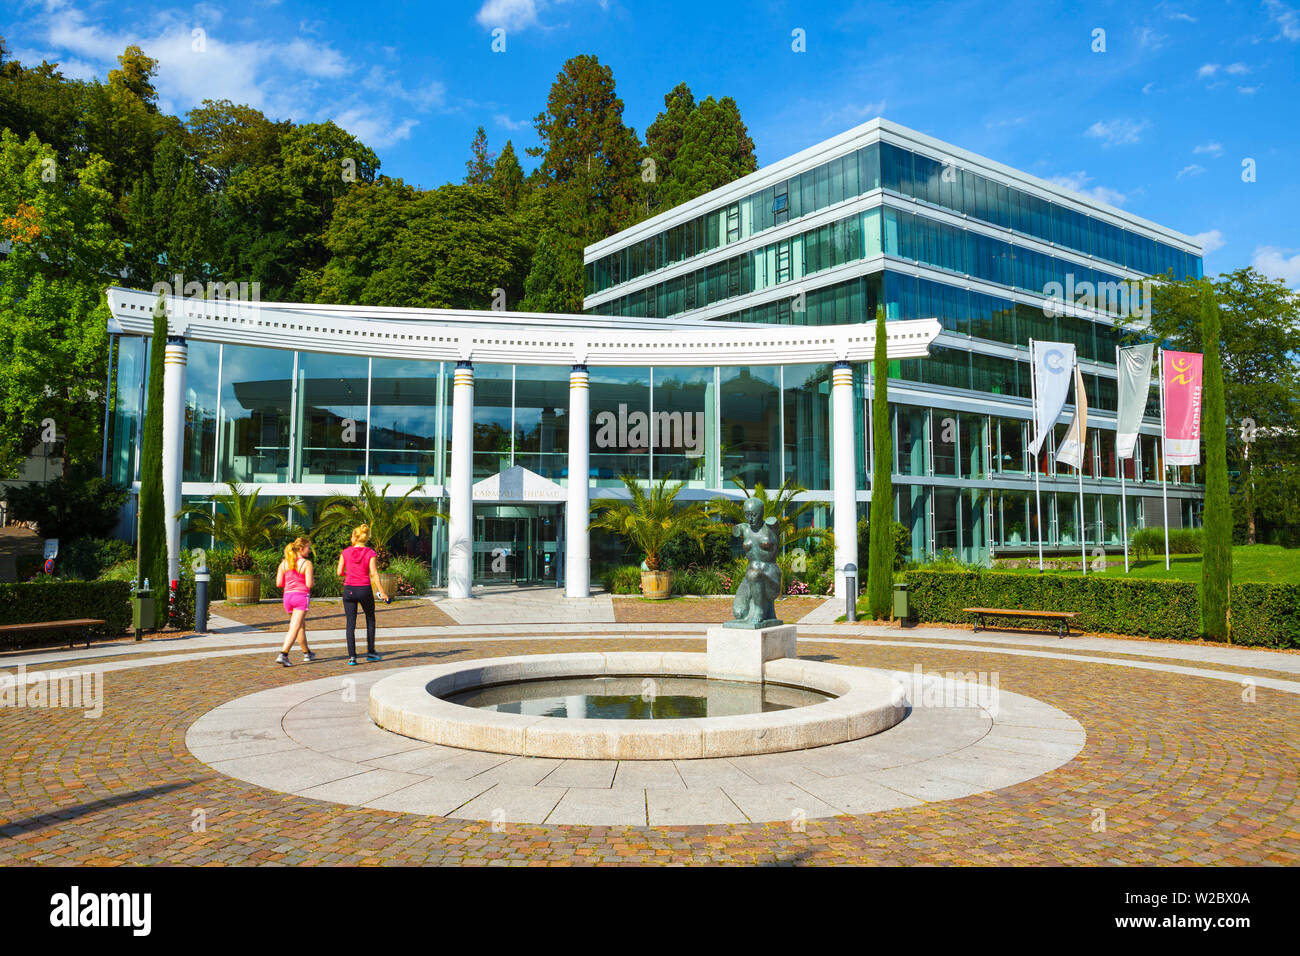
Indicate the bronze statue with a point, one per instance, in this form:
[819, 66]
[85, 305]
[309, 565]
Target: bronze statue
[754, 606]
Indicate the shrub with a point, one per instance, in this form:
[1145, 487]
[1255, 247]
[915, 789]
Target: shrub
[623, 579]
[65, 600]
[28, 566]
[412, 571]
[76, 505]
[1266, 614]
[1150, 542]
[698, 581]
[88, 558]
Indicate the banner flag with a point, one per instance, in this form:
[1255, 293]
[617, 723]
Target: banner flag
[1052, 364]
[1073, 446]
[1183, 408]
[1134, 384]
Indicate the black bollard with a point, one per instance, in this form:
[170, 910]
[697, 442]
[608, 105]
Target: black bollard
[851, 592]
[201, 601]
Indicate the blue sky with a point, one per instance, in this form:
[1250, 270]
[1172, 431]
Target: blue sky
[1158, 123]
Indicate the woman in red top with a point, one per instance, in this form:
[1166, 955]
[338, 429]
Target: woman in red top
[357, 568]
[295, 575]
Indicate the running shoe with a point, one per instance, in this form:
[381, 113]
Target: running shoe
[373, 657]
[309, 657]
[352, 662]
[284, 659]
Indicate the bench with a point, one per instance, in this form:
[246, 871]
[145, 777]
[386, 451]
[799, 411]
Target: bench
[81, 624]
[1062, 618]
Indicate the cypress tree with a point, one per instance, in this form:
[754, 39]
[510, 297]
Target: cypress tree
[880, 559]
[151, 549]
[1216, 560]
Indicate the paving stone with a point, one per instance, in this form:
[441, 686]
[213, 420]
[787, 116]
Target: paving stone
[599, 808]
[648, 775]
[505, 804]
[361, 788]
[587, 774]
[665, 808]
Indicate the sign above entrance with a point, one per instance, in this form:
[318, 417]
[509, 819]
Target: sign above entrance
[518, 484]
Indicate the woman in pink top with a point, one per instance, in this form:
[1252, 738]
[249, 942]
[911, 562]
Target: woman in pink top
[296, 577]
[357, 568]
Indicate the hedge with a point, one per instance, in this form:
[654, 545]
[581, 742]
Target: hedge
[65, 600]
[1262, 614]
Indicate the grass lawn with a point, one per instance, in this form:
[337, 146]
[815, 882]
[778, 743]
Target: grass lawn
[1269, 563]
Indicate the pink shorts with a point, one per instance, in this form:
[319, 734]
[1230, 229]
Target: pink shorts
[296, 601]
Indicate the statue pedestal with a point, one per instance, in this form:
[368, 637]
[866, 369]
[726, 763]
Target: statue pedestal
[735, 653]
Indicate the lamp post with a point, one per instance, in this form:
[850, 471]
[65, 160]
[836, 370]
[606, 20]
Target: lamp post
[850, 592]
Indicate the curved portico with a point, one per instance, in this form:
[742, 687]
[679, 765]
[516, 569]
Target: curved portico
[580, 343]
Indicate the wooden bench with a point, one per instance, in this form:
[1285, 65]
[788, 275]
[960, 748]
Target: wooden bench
[1062, 618]
[81, 624]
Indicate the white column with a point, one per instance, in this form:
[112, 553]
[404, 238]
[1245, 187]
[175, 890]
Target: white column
[577, 539]
[460, 544]
[844, 474]
[175, 357]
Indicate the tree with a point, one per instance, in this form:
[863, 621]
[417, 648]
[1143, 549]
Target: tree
[168, 220]
[650, 518]
[135, 75]
[1216, 557]
[151, 546]
[243, 522]
[53, 316]
[385, 516]
[697, 147]
[227, 138]
[77, 504]
[478, 170]
[588, 155]
[508, 178]
[880, 559]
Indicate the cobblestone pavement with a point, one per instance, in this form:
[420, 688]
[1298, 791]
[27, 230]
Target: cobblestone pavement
[1177, 769]
[631, 609]
[328, 613]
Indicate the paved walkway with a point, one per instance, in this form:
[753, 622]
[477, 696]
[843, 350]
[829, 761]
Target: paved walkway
[526, 605]
[1191, 757]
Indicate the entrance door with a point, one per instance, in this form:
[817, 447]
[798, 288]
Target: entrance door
[515, 545]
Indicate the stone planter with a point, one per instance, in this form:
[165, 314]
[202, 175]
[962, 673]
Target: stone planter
[243, 588]
[656, 585]
[389, 583]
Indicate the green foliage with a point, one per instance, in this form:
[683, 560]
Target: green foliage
[883, 546]
[698, 581]
[902, 536]
[386, 516]
[1216, 565]
[1263, 614]
[697, 147]
[242, 522]
[1150, 542]
[73, 506]
[411, 570]
[152, 534]
[650, 519]
[623, 579]
[109, 601]
[88, 558]
[478, 170]
[793, 520]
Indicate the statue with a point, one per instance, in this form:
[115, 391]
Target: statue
[754, 605]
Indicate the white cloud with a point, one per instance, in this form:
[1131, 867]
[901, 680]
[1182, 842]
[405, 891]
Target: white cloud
[513, 125]
[374, 130]
[1148, 88]
[1278, 263]
[1209, 70]
[1286, 18]
[1149, 39]
[1210, 241]
[1192, 170]
[853, 114]
[1247, 90]
[1237, 69]
[1118, 132]
[510, 14]
[1213, 148]
[1078, 180]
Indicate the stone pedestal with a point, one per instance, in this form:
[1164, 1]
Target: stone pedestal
[739, 653]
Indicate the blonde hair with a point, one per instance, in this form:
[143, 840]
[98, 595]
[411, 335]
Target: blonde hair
[360, 535]
[293, 551]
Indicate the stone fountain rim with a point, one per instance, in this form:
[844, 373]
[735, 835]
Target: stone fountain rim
[865, 702]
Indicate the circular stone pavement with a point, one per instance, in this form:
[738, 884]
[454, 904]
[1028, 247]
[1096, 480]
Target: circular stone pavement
[315, 739]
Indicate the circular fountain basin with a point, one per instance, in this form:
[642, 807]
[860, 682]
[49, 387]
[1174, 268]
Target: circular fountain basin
[419, 703]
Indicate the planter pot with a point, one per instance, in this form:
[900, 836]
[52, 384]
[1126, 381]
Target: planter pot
[656, 585]
[389, 583]
[243, 588]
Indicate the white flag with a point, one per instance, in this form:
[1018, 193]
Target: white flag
[1134, 383]
[1073, 446]
[1052, 364]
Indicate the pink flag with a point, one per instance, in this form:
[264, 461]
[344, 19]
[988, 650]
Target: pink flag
[1182, 371]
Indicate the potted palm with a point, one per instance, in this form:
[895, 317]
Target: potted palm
[386, 517]
[244, 523]
[649, 519]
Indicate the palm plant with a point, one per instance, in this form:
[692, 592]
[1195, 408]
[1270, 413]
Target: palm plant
[780, 506]
[243, 522]
[385, 516]
[652, 517]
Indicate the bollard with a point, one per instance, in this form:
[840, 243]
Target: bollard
[201, 601]
[851, 592]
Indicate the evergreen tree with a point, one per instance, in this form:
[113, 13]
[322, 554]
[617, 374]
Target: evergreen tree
[152, 545]
[168, 220]
[697, 147]
[880, 559]
[508, 178]
[478, 170]
[1216, 558]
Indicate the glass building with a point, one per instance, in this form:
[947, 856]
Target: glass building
[878, 216]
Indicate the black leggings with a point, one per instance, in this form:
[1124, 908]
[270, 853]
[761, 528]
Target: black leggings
[353, 596]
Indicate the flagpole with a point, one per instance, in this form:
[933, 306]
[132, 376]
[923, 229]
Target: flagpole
[1164, 463]
[1033, 398]
[1083, 450]
[1123, 492]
